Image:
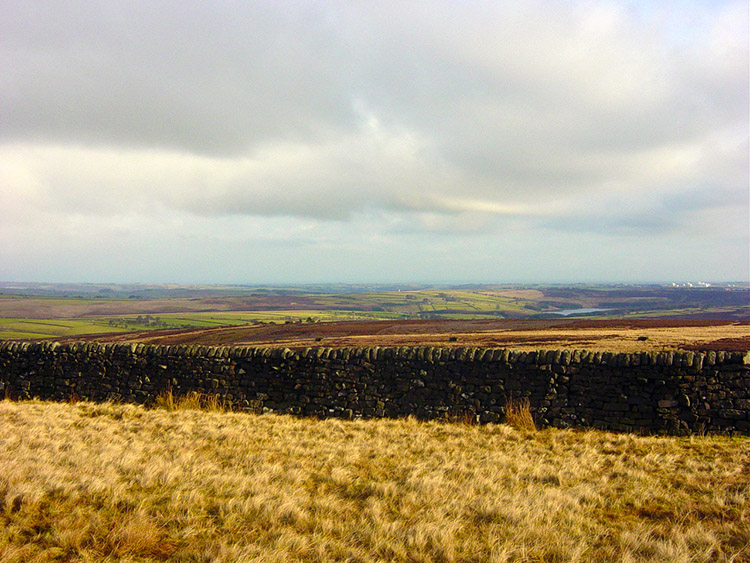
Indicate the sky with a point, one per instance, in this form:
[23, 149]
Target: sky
[442, 141]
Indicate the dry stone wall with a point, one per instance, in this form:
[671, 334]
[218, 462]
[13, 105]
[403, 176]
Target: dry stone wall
[651, 392]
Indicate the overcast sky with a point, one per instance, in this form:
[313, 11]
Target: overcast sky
[325, 141]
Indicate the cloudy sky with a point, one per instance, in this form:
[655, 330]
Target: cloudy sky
[360, 141]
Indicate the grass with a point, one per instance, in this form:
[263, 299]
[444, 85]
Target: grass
[180, 312]
[518, 414]
[51, 328]
[193, 401]
[105, 482]
[61, 328]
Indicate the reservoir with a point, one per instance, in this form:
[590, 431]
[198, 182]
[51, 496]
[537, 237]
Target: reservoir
[581, 311]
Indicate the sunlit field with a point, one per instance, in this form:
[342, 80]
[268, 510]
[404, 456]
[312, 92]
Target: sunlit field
[34, 317]
[63, 328]
[95, 483]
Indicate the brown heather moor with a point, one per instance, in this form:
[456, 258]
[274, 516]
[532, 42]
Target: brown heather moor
[105, 482]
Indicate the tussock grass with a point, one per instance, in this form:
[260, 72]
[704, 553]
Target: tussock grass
[193, 401]
[518, 414]
[103, 482]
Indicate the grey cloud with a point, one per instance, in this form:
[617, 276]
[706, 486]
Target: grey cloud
[657, 213]
[210, 78]
[536, 102]
[326, 109]
[705, 196]
[623, 223]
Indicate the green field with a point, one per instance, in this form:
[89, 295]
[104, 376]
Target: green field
[215, 319]
[51, 328]
[62, 315]
[79, 316]
[61, 328]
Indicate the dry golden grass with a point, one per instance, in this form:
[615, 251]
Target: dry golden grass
[193, 400]
[518, 414]
[606, 339]
[95, 483]
[618, 339]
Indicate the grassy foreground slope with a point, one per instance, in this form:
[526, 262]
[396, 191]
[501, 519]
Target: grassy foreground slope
[89, 482]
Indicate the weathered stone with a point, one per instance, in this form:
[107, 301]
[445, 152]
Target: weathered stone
[667, 403]
[733, 414]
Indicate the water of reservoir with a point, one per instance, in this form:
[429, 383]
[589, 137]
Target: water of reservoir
[582, 311]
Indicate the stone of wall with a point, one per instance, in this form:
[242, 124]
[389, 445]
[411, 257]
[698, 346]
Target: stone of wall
[651, 392]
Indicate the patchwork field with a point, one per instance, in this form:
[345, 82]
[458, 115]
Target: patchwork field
[618, 318]
[63, 311]
[102, 482]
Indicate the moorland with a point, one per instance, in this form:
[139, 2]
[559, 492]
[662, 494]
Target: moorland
[476, 315]
[190, 481]
[108, 482]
